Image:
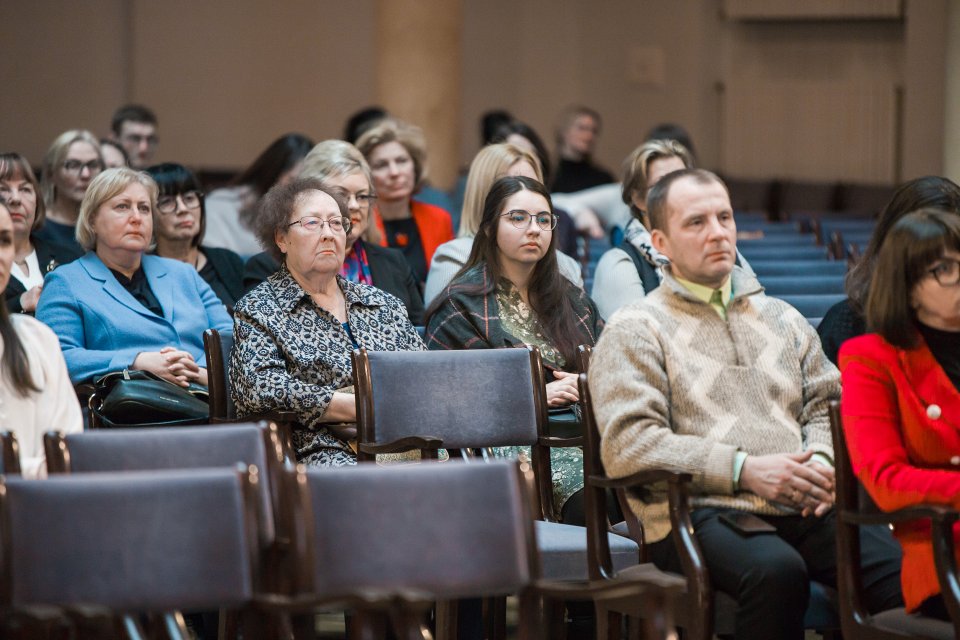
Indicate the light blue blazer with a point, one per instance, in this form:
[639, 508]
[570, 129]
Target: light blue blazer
[102, 327]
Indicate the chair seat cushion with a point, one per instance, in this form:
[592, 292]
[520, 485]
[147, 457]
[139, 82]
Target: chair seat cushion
[913, 624]
[563, 550]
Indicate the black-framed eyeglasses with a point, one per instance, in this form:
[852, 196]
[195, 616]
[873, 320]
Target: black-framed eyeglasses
[946, 272]
[168, 204]
[313, 224]
[521, 219]
[76, 167]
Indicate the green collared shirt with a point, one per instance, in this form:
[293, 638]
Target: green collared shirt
[716, 298]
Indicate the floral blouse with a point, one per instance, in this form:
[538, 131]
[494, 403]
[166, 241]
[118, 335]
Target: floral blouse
[289, 354]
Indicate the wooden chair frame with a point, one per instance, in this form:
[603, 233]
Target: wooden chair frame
[404, 610]
[853, 511]
[219, 388]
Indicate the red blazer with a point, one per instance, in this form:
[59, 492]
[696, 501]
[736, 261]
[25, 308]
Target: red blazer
[433, 224]
[901, 418]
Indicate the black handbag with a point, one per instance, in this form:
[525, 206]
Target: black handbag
[142, 399]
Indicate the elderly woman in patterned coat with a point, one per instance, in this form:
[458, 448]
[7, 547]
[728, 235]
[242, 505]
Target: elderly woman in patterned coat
[294, 332]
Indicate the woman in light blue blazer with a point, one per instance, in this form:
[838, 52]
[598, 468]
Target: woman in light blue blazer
[117, 308]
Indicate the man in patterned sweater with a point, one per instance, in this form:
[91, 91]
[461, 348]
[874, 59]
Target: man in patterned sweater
[709, 376]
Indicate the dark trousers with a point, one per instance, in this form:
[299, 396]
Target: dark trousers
[769, 574]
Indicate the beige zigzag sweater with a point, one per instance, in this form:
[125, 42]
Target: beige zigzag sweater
[677, 387]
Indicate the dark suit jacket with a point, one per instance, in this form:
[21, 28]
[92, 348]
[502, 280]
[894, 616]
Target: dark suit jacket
[228, 270]
[50, 255]
[388, 269]
[901, 419]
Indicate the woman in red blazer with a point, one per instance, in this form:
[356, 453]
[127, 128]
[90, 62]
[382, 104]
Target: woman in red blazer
[397, 156]
[901, 404]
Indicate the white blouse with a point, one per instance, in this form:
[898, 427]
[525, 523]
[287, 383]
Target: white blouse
[34, 278]
[54, 407]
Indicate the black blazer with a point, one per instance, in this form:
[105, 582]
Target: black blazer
[388, 269]
[50, 255]
[228, 270]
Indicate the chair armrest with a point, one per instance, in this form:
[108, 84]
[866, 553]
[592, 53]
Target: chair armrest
[554, 441]
[641, 478]
[402, 444]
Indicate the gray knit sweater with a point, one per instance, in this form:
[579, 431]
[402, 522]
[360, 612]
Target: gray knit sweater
[677, 387]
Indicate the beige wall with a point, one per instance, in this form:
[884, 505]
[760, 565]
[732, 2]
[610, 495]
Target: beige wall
[227, 77]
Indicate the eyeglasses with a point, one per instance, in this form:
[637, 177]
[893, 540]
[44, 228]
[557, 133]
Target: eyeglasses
[947, 272]
[76, 167]
[521, 219]
[168, 204]
[313, 224]
[139, 139]
[365, 200]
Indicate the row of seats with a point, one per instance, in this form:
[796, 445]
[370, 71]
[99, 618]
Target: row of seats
[509, 380]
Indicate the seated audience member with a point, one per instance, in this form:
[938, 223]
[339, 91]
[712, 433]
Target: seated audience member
[490, 123]
[230, 211]
[709, 376]
[32, 258]
[360, 121]
[294, 333]
[845, 319]
[179, 223]
[511, 293]
[491, 163]
[524, 137]
[576, 139]
[342, 168]
[396, 152]
[36, 394]
[114, 155]
[71, 162]
[135, 128]
[900, 388]
[675, 132]
[625, 273]
[605, 202]
[117, 308]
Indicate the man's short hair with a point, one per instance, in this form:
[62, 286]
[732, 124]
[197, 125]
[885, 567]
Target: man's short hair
[131, 113]
[657, 205]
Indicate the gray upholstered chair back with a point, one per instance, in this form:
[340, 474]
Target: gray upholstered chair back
[178, 448]
[480, 398]
[449, 528]
[137, 541]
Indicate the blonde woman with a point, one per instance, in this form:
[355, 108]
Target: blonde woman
[71, 163]
[117, 308]
[490, 164]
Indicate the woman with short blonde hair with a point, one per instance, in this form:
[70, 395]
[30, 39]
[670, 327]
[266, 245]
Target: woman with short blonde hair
[397, 155]
[70, 164]
[118, 308]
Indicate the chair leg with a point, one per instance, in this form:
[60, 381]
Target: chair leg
[609, 624]
[556, 619]
[496, 615]
[446, 620]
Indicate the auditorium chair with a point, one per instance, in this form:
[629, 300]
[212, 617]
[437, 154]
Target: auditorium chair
[856, 509]
[217, 349]
[803, 284]
[259, 445]
[389, 541]
[700, 610]
[9, 454]
[474, 400]
[116, 555]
